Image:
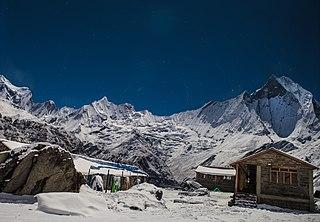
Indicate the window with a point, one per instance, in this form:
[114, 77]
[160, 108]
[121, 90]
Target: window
[212, 177]
[294, 178]
[284, 176]
[209, 177]
[274, 177]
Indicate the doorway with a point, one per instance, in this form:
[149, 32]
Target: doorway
[251, 179]
[247, 178]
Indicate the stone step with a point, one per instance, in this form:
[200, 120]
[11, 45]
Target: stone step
[245, 200]
[253, 200]
[245, 204]
[246, 195]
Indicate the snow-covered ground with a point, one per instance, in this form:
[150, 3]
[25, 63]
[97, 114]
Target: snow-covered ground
[93, 206]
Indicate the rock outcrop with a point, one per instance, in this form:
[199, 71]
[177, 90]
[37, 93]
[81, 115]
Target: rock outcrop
[38, 168]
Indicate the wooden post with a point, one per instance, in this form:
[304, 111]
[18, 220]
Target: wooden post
[311, 190]
[121, 181]
[237, 179]
[258, 182]
[88, 182]
[107, 181]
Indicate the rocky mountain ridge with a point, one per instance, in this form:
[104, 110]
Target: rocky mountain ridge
[168, 148]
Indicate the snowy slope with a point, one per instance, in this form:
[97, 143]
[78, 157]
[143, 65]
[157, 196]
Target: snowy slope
[170, 148]
[10, 110]
[20, 96]
[19, 125]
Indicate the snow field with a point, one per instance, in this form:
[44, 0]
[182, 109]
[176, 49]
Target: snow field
[89, 205]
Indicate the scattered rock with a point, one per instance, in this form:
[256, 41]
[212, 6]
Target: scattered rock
[198, 192]
[159, 194]
[187, 201]
[190, 185]
[139, 197]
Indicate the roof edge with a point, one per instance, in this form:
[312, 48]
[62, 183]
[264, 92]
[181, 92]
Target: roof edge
[277, 151]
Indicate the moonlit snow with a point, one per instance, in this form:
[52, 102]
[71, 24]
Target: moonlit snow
[89, 205]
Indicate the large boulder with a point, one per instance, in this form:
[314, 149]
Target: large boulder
[38, 168]
[190, 185]
[139, 197]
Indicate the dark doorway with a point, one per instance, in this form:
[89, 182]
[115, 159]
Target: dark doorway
[251, 179]
[246, 178]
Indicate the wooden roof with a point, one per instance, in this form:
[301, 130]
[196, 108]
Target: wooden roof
[276, 151]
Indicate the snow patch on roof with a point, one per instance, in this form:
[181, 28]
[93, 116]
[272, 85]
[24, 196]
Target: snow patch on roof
[97, 166]
[216, 171]
[13, 144]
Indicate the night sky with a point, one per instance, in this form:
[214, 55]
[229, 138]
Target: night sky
[164, 56]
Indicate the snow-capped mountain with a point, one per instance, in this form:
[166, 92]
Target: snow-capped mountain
[43, 109]
[19, 125]
[281, 114]
[20, 96]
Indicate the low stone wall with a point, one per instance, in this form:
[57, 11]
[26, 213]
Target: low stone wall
[286, 204]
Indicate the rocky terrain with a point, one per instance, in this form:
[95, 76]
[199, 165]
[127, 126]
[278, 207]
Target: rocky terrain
[38, 168]
[281, 113]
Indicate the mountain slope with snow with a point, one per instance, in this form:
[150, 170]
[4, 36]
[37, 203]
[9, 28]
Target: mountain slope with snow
[20, 96]
[168, 148]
